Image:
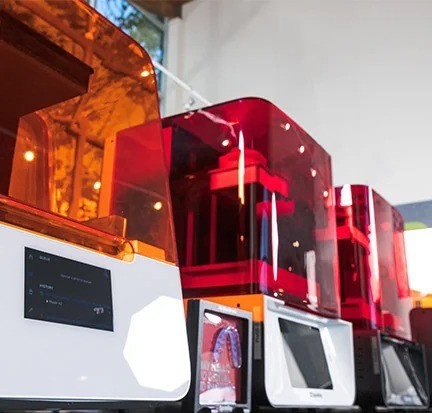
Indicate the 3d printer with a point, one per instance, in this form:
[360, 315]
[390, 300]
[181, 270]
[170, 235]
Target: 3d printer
[254, 216]
[390, 367]
[89, 300]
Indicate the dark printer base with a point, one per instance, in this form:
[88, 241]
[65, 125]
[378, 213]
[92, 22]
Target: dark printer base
[389, 372]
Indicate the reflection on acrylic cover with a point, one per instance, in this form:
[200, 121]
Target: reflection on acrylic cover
[221, 375]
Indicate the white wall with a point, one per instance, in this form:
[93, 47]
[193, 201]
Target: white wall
[418, 245]
[357, 75]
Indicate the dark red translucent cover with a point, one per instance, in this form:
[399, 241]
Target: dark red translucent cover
[253, 205]
[374, 280]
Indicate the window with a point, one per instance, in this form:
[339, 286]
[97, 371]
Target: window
[146, 28]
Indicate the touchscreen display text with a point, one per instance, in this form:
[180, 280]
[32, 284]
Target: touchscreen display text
[65, 291]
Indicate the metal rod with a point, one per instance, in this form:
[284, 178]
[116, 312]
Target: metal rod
[180, 82]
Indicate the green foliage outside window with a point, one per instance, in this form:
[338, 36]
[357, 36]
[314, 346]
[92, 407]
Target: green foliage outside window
[135, 23]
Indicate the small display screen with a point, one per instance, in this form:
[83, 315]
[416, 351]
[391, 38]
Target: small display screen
[223, 359]
[404, 375]
[304, 352]
[64, 291]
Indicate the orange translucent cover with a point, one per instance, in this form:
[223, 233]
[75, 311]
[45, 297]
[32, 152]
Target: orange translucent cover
[71, 83]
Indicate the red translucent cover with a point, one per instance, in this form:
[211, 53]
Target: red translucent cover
[253, 205]
[375, 290]
[72, 86]
[221, 373]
